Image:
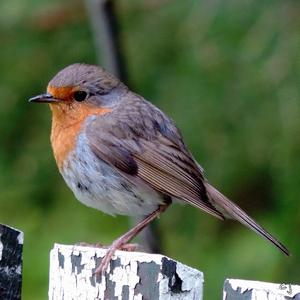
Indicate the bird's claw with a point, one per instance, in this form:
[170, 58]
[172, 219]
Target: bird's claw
[102, 268]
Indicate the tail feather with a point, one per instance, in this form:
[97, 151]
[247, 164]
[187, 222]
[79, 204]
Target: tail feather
[231, 210]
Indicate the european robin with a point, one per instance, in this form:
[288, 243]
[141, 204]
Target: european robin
[120, 154]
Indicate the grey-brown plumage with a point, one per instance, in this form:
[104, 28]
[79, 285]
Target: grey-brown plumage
[140, 140]
[132, 149]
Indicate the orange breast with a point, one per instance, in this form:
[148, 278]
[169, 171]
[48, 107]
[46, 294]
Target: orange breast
[67, 122]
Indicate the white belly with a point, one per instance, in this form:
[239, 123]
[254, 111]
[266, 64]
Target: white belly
[98, 185]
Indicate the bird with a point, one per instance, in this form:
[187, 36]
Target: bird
[122, 155]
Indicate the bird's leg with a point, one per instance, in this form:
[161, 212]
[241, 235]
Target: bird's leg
[127, 237]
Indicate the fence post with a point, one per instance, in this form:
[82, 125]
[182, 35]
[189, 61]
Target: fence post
[237, 289]
[11, 246]
[131, 275]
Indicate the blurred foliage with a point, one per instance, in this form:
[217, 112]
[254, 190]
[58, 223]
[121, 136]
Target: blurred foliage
[228, 73]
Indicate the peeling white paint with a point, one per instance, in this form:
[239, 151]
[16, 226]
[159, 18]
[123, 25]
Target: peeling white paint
[21, 238]
[67, 285]
[19, 270]
[11, 262]
[262, 290]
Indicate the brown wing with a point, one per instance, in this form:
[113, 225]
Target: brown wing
[156, 159]
[141, 141]
[172, 172]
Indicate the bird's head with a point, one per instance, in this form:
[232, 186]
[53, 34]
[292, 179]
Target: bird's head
[81, 85]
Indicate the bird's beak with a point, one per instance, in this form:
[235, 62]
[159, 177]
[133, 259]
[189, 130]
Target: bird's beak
[44, 98]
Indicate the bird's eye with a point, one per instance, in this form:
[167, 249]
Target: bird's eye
[80, 96]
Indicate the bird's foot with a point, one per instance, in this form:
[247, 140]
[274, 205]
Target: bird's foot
[97, 245]
[130, 247]
[122, 242]
[118, 244]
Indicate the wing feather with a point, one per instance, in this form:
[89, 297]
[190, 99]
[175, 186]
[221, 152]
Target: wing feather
[139, 140]
[159, 162]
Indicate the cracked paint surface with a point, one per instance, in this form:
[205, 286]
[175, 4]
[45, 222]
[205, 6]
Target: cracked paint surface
[131, 276]
[251, 290]
[11, 246]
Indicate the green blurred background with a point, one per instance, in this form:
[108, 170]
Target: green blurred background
[228, 73]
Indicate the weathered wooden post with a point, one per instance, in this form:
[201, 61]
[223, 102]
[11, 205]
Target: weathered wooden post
[11, 246]
[237, 289]
[131, 275]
